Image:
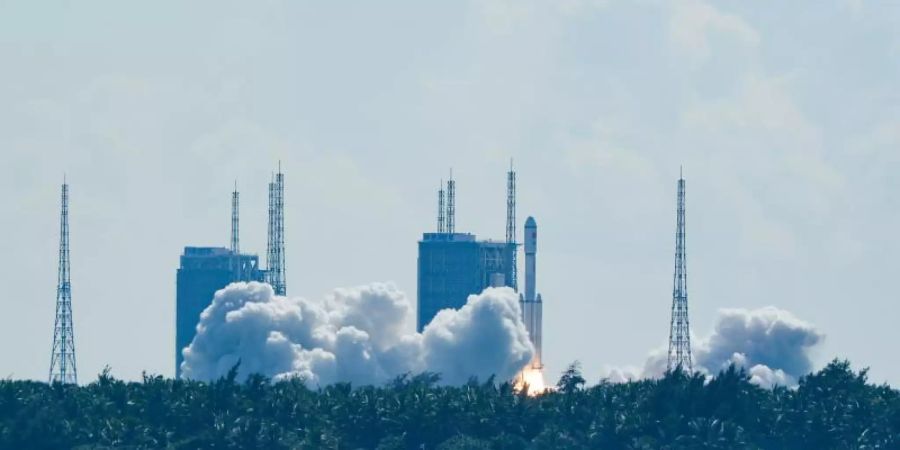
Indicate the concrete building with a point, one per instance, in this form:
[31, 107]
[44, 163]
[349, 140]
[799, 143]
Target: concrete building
[203, 271]
[452, 266]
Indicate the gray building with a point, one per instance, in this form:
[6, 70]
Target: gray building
[203, 271]
[452, 266]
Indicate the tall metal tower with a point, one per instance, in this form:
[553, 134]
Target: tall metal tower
[62, 358]
[235, 235]
[451, 204]
[235, 221]
[270, 235]
[440, 217]
[680, 330]
[511, 222]
[275, 251]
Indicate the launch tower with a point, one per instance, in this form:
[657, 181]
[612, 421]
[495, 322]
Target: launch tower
[235, 234]
[275, 250]
[511, 224]
[202, 272]
[452, 266]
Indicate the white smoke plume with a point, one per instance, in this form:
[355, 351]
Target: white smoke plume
[770, 343]
[357, 335]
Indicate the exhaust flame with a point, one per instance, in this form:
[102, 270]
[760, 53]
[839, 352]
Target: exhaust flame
[531, 379]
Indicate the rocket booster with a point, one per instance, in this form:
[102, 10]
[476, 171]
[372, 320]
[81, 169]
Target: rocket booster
[530, 252]
[532, 306]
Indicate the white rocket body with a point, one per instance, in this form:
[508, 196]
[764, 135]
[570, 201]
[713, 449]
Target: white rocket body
[531, 303]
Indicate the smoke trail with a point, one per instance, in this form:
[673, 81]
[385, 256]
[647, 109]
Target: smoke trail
[770, 343]
[356, 335]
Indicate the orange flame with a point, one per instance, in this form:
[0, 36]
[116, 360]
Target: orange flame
[532, 379]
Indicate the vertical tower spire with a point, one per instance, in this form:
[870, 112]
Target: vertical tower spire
[440, 218]
[236, 263]
[235, 220]
[270, 234]
[451, 204]
[680, 330]
[62, 359]
[511, 222]
[275, 247]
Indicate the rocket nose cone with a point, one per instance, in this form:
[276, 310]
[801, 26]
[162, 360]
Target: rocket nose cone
[530, 223]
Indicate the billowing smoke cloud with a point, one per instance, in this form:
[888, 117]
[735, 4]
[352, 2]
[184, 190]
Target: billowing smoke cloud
[356, 335]
[771, 344]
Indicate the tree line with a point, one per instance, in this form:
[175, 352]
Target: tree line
[833, 408]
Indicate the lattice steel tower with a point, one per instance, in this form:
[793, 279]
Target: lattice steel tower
[511, 222]
[441, 216]
[451, 204]
[62, 359]
[275, 250]
[270, 235]
[680, 329]
[236, 263]
[235, 221]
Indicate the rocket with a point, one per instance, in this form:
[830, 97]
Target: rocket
[531, 303]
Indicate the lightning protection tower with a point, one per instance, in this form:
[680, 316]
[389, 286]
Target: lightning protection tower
[270, 235]
[680, 330]
[440, 217]
[451, 204]
[62, 358]
[235, 234]
[235, 221]
[511, 222]
[275, 252]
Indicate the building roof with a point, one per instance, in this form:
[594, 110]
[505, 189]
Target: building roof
[448, 237]
[206, 251]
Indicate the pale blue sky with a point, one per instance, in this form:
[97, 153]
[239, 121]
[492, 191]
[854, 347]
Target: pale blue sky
[786, 116]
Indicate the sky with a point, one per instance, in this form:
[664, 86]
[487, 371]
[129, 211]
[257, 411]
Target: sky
[784, 115]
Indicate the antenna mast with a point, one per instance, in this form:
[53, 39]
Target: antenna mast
[511, 222]
[62, 358]
[235, 235]
[270, 241]
[440, 218]
[680, 331]
[235, 221]
[275, 250]
[451, 204]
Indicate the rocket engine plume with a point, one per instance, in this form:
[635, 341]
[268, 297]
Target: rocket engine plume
[356, 335]
[532, 381]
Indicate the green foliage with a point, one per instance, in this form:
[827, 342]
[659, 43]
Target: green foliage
[571, 379]
[833, 408]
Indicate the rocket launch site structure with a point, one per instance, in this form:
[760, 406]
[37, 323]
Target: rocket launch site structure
[205, 270]
[275, 273]
[452, 266]
[62, 356]
[679, 355]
